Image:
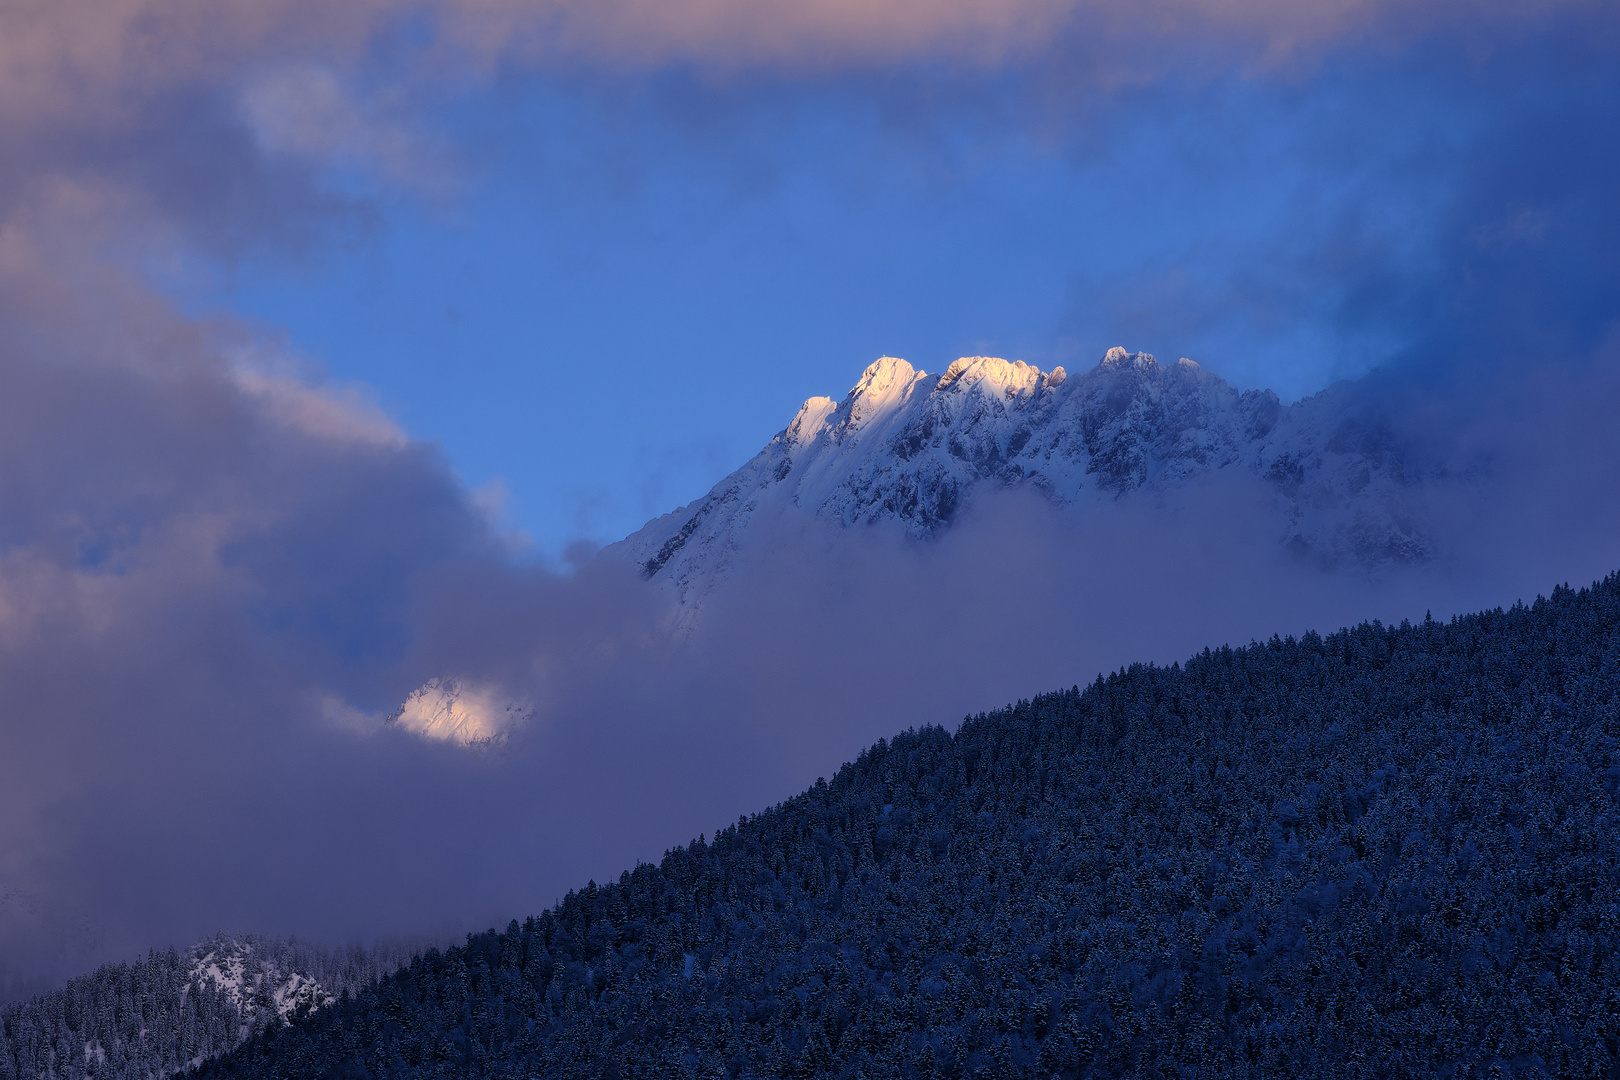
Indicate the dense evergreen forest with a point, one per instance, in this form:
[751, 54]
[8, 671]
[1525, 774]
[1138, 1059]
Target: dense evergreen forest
[174, 1009]
[1387, 852]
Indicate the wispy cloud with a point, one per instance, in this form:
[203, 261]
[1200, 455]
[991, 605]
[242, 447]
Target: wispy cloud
[224, 123]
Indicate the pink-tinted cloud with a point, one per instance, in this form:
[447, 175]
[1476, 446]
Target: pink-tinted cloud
[217, 123]
[81, 50]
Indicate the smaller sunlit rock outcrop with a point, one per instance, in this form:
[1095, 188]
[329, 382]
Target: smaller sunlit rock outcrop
[449, 710]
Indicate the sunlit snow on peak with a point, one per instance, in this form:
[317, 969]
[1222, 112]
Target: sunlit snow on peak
[449, 710]
[810, 421]
[990, 374]
[915, 448]
[883, 390]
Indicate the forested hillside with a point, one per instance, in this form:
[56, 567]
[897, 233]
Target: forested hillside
[149, 1019]
[1391, 851]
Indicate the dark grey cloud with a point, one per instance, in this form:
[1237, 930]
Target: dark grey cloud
[223, 123]
[1441, 203]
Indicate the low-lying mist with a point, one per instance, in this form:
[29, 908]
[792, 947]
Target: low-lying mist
[196, 673]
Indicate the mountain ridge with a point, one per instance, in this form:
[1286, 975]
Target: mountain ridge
[914, 448]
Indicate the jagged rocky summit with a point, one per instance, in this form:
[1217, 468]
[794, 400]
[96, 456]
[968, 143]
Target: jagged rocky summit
[916, 448]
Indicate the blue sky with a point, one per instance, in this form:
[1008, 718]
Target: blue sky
[624, 290]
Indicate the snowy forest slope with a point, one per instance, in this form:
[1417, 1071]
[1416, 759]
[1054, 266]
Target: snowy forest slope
[1386, 851]
[176, 1009]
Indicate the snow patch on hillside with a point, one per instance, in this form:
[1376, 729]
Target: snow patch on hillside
[257, 986]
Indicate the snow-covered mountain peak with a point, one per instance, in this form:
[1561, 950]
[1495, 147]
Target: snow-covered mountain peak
[883, 377]
[810, 422]
[1119, 356]
[885, 387]
[906, 446]
[989, 375]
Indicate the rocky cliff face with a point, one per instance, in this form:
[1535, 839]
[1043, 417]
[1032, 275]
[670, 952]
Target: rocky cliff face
[916, 448]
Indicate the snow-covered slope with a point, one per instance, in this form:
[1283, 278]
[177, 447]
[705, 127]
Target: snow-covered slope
[914, 447]
[261, 985]
[176, 1009]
